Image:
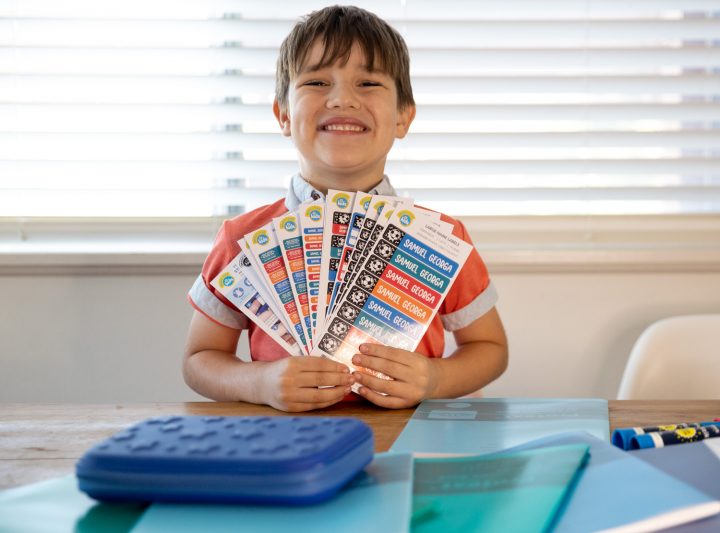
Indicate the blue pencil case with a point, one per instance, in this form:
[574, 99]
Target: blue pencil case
[251, 459]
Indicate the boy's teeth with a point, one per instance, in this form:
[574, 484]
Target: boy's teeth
[344, 127]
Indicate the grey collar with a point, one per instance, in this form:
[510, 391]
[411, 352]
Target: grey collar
[301, 191]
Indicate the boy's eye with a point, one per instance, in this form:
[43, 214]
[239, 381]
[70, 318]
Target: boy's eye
[314, 83]
[371, 84]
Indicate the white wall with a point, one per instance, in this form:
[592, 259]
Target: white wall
[119, 338]
[571, 334]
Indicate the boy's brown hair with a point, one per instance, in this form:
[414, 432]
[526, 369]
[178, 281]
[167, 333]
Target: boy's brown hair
[338, 28]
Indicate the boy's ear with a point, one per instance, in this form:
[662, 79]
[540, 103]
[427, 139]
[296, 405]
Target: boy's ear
[282, 117]
[405, 118]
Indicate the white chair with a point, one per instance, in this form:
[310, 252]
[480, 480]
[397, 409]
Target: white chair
[676, 358]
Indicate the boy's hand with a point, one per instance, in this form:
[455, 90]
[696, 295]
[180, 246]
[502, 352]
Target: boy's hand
[414, 376]
[291, 384]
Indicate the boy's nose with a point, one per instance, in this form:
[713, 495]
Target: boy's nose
[342, 96]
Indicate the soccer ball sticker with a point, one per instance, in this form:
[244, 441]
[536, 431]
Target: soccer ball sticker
[385, 250]
[341, 218]
[348, 312]
[357, 222]
[339, 328]
[394, 234]
[357, 296]
[376, 265]
[366, 281]
[329, 344]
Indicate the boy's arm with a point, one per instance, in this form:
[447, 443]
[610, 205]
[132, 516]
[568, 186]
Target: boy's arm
[481, 357]
[211, 368]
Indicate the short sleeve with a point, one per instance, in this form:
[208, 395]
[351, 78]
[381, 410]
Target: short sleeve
[472, 294]
[204, 297]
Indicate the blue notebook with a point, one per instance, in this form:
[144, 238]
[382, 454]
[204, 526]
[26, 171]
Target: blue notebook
[519, 491]
[378, 500]
[617, 489]
[476, 426]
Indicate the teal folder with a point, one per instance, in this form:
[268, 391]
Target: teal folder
[520, 491]
[378, 500]
[476, 426]
[56, 505]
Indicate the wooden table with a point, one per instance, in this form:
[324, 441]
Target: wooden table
[43, 441]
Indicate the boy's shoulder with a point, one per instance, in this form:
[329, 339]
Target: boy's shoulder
[232, 230]
[459, 229]
[237, 227]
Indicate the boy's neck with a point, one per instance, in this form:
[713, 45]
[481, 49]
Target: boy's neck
[353, 184]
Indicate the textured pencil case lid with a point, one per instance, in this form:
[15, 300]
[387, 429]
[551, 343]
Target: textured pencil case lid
[279, 459]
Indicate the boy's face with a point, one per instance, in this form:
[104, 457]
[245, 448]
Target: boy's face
[343, 120]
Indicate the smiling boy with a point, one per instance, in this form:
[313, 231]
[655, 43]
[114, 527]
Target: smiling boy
[343, 96]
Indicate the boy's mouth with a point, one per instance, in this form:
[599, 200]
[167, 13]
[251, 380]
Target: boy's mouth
[343, 125]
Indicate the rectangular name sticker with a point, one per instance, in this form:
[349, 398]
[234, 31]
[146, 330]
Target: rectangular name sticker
[428, 276]
[392, 317]
[410, 287]
[431, 258]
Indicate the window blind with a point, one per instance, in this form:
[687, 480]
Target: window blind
[162, 109]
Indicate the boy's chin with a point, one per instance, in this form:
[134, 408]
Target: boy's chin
[350, 172]
[344, 165]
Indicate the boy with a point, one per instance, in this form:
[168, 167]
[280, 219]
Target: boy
[343, 95]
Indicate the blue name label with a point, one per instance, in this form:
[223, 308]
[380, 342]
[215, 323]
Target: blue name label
[291, 244]
[428, 256]
[272, 253]
[392, 317]
[379, 331]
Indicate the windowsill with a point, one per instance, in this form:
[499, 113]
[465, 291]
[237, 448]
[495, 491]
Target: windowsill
[38, 261]
[508, 245]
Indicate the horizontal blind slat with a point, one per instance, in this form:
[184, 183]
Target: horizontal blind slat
[690, 87]
[592, 107]
[419, 35]
[15, 171]
[258, 118]
[163, 204]
[462, 61]
[569, 10]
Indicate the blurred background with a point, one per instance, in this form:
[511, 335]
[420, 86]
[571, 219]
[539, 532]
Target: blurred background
[577, 140]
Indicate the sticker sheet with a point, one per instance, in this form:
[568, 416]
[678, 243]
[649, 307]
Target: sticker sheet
[398, 288]
[312, 224]
[266, 254]
[247, 266]
[237, 288]
[287, 230]
[338, 210]
[377, 204]
[360, 207]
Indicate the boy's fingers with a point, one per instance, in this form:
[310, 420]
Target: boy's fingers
[324, 379]
[386, 352]
[391, 402]
[388, 386]
[321, 364]
[313, 395]
[299, 407]
[389, 368]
